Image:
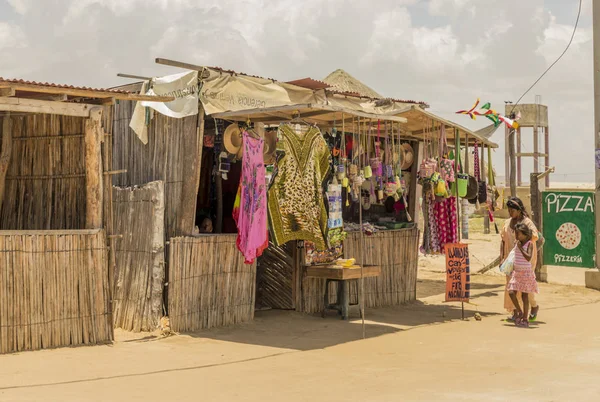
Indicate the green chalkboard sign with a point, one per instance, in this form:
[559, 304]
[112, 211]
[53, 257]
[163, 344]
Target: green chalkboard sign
[568, 228]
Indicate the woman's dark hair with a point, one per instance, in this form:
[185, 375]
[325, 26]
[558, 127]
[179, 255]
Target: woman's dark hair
[523, 228]
[516, 204]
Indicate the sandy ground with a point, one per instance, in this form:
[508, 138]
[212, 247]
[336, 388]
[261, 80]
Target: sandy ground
[421, 351]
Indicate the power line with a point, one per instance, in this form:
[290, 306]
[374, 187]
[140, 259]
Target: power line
[556, 61]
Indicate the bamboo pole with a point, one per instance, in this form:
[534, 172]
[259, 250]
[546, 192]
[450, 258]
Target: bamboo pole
[6, 153]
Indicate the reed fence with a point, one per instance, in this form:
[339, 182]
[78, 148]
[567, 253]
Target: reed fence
[46, 174]
[160, 159]
[54, 290]
[140, 257]
[395, 251]
[209, 284]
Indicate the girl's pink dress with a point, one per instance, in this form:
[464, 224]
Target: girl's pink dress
[250, 208]
[522, 278]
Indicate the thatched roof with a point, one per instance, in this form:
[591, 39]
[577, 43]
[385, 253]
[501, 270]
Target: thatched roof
[344, 82]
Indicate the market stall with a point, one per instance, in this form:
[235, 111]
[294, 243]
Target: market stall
[267, 179]
[56, 233]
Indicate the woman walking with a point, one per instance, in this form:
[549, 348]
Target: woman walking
[518, 214]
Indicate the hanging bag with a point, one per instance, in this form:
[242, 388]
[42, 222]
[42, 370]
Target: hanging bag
[462, 180]
[508, 265]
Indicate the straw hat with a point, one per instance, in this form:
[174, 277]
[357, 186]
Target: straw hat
[232, 140]
[270, 147]
[407, 156]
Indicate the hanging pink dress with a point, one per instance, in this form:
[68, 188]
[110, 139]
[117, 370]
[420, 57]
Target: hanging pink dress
[250, 208]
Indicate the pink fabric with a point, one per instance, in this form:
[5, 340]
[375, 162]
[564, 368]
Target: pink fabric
[434, 242]
[250, 209]
[446, 219]
[522, 278]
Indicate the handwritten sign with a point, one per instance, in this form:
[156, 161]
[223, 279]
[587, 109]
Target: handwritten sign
[458, 273]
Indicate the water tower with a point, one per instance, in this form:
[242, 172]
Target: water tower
[532, 125]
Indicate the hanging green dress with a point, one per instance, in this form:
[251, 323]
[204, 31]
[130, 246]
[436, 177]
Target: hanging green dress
[295, 200]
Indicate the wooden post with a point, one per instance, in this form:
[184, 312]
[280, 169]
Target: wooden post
[464, 223]
[547, 152]
[94, 136]
[6, 154]
[483, 174]
[536, 216]
[519, 159]
[192, 162]
[512, 163]
[536, 150]
[506, 158]
[456, 158]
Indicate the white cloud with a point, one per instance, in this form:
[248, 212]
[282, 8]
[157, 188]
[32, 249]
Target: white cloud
[20, 6]
[446, 52]
[450, 7]
[11, 36]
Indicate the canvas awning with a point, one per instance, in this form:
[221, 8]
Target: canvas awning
[319, 114]
[417, 126]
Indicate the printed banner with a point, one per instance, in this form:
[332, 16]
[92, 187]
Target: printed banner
[224, 92]
[184, 87]
[458, 273]
[334, 196]
[568, 228]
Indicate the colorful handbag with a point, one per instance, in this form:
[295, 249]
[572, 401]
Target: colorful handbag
[427, 168]
[447, 170]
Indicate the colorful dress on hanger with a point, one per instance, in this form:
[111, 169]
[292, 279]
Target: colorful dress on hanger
[250, 208]
[296, 206]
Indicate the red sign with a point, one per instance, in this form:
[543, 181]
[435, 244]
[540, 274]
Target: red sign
[458, 273]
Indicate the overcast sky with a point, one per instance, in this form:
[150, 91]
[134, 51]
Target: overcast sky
[444, 52]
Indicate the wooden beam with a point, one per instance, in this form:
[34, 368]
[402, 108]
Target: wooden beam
[531, 154]
[84, 93]
[192, 158]
[512, 179]
[179, 64]
[242, 115]
[20, 105]
[93, 170]
[5, 154]
[134, 77]
[47, 97]
[7, 92]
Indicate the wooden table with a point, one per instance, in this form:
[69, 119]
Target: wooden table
[341, 275]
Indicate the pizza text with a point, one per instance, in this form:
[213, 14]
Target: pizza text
[569, 203]
[567, 258]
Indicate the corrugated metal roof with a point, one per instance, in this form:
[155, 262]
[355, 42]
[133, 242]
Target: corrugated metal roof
[357, 95]
[60, 86]
[309, 83]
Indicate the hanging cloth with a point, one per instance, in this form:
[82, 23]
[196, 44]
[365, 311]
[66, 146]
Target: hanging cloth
[296, 206]
[250, 207]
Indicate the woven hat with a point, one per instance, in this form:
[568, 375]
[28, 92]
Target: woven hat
[270, 147]
[232, 140]
[407, 156]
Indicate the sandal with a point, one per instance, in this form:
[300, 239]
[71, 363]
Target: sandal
[522, 323]
[513, 317]
[534, 313]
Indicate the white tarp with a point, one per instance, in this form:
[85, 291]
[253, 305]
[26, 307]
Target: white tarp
[224, 92]
[383, 106]
[139, 119]
[184, 87]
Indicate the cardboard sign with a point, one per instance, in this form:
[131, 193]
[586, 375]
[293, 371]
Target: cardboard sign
[458, 273]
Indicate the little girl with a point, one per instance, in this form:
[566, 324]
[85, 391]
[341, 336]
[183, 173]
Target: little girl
[522, 278]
